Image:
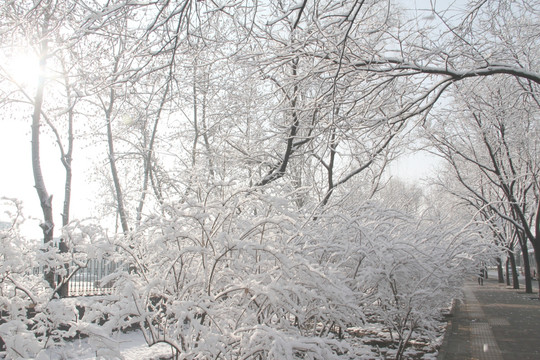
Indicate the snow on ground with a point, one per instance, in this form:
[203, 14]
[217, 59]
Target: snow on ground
[370, 342]
[129, 346]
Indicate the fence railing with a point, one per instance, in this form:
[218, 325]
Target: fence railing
[88, 280]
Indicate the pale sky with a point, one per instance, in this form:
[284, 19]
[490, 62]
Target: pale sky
[17, 179]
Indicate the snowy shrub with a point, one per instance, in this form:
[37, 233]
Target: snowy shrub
[23, 292]
[242, 277]
[403, 270]
[19, 288]
[226, 279]
[33, 318]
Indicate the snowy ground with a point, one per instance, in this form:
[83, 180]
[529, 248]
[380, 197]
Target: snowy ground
[369, 343]
[129, 346]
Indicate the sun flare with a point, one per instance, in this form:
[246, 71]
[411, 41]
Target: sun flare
[22, 68]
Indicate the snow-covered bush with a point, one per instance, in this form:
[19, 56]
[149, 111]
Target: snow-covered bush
[33, 318]
[20, 290]
[227, 279]
[24, 295]
[243, 276]
[403, 270]
[250, 276]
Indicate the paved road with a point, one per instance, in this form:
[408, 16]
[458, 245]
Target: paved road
[493, 322]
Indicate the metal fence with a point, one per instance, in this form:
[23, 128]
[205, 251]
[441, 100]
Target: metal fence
[88, 281]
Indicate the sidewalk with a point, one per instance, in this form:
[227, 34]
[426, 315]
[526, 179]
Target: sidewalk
[493, 322]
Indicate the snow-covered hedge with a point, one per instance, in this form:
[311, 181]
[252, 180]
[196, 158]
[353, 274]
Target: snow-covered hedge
[246, 277]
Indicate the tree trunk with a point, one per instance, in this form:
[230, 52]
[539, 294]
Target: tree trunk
[148, 155]
[67, 157]
[515, 280]
[526, 263]
[112, 161]
[508, 270]
[66, 161]
[108, 108]
[537, 258]
[500, 272]
[536, 244]
[45, 199]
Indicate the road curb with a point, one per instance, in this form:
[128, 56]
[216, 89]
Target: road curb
[441, 355]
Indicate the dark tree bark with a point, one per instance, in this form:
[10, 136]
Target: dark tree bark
[45, 199]
[112, 162]
[513, 268]
[526, 263]
[500, 272]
